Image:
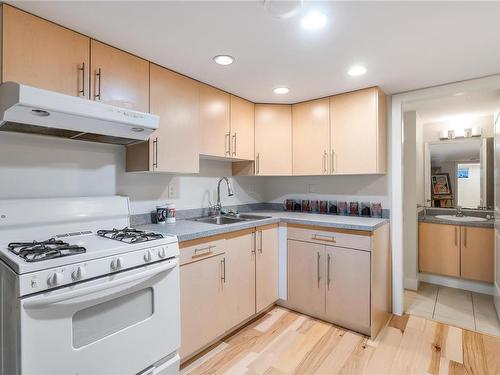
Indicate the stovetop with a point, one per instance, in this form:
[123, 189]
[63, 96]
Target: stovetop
[37, 251]
[26, 255]
[129, 235]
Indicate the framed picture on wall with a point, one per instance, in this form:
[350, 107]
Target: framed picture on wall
[441, 184]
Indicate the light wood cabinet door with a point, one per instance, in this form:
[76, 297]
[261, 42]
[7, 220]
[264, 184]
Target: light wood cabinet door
[242, 128]
[119, 78]
[239, 280]
[174, 147]
[306, 277]
[439, 249]
[477, 254]
[311, 137]
[358, 132]
[202, 303]
[42, 54]
[266, 265]
[214, 122]
[348, 288]
[273, 139]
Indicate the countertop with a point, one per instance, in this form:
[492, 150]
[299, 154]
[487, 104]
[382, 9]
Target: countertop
[189, 230]
[478, 224]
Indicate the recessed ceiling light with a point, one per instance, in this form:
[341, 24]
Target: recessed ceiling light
[357, 70]
[281, 90]
[313, 21]
[224, 59]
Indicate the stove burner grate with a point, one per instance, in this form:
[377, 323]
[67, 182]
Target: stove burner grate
[129, 235]
[37, 251]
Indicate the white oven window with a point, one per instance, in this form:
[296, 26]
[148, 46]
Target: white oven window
[98, 321]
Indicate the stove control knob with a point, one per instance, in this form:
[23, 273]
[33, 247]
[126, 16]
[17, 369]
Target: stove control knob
[54, 279]
[78, 274]
[148, 256]
[116, 264]
[161, 253]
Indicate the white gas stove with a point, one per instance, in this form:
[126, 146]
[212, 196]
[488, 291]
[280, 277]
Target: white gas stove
[82, 293]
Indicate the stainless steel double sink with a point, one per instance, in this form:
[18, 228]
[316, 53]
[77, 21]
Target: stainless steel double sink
[229, 219]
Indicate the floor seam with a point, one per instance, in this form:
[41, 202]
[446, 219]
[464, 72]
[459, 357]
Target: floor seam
[473, 311]
[435, 303]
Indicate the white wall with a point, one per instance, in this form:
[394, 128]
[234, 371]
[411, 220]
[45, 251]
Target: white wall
[469, 189]
[35, 166]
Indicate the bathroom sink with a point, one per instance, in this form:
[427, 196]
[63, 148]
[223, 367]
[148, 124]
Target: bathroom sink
[462, 218]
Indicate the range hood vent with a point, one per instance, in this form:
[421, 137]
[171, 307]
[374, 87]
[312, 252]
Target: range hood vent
[25, 109]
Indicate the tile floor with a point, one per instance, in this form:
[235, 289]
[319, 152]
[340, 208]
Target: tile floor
[461, 308]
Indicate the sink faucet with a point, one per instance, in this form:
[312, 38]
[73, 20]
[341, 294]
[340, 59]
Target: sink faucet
[459, 212]
[218, 205]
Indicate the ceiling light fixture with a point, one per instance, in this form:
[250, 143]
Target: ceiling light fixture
[281, 90]
[224, 59]
[356, 70]
[313, 21]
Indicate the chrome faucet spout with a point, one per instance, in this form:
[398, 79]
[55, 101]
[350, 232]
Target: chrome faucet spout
[459, 212]
[230, 192]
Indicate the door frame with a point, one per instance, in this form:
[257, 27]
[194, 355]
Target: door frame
[396, 168]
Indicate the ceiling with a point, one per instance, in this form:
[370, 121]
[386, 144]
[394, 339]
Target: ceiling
[470, 104]
[456, 151]
[404, 45]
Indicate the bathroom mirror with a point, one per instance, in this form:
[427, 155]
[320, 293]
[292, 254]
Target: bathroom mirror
[460, 173]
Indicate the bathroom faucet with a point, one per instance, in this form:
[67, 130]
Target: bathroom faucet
[459, 212]
[218, 205]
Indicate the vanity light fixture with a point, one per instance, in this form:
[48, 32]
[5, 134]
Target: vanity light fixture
[356, 71]
[313, 21]
[281, 90]
[224, 59]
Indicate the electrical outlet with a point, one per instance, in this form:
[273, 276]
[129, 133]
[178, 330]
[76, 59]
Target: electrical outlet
[171, 191]
[311, 188]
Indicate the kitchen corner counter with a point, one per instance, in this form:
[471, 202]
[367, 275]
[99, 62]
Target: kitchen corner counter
[189, 230]
[478, 224]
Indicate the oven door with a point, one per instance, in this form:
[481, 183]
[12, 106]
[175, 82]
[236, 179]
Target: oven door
[117, 324]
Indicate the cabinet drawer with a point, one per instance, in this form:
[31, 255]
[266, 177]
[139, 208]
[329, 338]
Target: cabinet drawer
[328, 237]
[192, 251]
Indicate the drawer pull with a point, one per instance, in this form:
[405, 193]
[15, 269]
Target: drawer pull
[203, 251]
[319, 237]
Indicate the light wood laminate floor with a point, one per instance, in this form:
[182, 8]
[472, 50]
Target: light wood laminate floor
[286, 342]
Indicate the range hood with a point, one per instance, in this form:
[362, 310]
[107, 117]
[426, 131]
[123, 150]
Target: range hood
[27, 109]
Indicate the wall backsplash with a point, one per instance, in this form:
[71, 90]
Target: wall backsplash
[33, 167]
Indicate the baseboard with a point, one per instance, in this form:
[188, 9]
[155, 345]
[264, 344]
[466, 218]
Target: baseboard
[410, 284]
[472, 286]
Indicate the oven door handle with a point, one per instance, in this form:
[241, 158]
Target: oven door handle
[148, 274]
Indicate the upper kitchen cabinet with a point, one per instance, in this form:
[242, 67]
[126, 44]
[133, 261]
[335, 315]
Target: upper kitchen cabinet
[311, 137]
[242, 128]
[42, 54]
[119, 78]
[214, 122]
[358, 132]
[273, 139]
[174, 147]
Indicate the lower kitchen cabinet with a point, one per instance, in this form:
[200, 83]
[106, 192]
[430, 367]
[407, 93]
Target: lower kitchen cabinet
[458, 251]
[225, 280]
[306, 269]
[266, 266]
[202, 302]
[348, 286]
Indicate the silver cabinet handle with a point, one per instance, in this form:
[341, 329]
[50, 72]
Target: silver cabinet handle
[318, 259]
[260, 246]
[465, 236]
[227, 143]
[234, 144]
[202, 249]
[332, 163]
[456, 231]
[257, 163]
[82, 69]
[98, 76]
[254, 247]
[223, 266]
[155, 153]
[328, 271]
[319, 237]
[325, 162]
